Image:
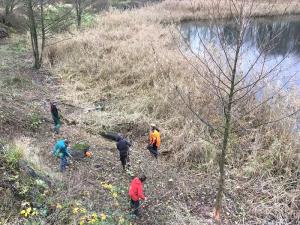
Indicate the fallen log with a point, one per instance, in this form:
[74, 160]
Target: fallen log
[111, 136]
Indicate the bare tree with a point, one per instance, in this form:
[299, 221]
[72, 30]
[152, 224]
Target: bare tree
[41, 30]
[36, 43]
[217, 65]
[78, 4]
[9, 6]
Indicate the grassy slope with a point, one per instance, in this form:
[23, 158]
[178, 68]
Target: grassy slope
[81, 186]
[131, 67]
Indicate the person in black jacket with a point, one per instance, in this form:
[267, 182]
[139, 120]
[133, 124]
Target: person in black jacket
[123, 147]
[55, 117]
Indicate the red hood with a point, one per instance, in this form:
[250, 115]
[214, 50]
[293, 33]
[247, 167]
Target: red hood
[136, 181]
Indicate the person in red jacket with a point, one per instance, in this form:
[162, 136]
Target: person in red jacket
[136, 193]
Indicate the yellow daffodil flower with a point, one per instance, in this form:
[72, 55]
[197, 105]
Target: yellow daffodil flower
[82, 220]
[28, 210]
[106, 186]
[82, 210]
[94, 215]
[103, 217]
[23, 212]
[121, 220]
[92, 221]
[115, 194]
[75, 210]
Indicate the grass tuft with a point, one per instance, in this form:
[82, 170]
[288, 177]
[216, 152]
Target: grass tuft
[13, 154]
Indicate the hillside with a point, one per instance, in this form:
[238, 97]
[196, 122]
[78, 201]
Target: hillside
[27, 141]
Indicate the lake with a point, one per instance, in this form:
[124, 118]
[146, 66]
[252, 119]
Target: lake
[283, 34]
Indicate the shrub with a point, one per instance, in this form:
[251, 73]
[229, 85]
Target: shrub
[80, 146]
[35, 121]
[61, 17]
[13, 154]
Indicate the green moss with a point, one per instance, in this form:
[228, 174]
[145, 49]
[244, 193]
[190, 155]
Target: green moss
[19, 46]
[80, 146]
[16, 82]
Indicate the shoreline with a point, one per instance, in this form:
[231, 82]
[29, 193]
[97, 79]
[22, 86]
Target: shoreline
[267, 17]
[197, 10]
[290, 17]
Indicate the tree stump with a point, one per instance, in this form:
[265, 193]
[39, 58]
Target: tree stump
[3, 33]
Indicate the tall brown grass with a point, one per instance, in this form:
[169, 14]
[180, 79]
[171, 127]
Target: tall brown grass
[182, 10]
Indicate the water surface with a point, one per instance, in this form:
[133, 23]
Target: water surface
[283, 34]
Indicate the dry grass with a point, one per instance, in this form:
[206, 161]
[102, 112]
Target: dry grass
[126, 62]
[183, 10]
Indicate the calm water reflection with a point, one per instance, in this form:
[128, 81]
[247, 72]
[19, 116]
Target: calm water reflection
[283, 34]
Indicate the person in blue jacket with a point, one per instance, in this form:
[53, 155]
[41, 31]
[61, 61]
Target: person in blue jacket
[61, 150]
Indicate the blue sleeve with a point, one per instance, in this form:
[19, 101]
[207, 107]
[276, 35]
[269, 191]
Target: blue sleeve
[67, 152]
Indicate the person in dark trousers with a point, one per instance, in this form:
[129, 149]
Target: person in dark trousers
[55, 117]
[136, 193]
[123, 147]
[154, 140]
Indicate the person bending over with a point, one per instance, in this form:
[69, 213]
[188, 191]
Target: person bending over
[136, 193]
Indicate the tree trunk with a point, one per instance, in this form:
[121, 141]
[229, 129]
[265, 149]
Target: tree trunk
[9, 7]
[36, 49]
[78, 12]
[7, 10]
[12, 6]
[43, 31]
[79, 20]
[222, 164]
[226, 135]
[33, 35]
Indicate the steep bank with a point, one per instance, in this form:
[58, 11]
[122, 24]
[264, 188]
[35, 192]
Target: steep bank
[83, 192]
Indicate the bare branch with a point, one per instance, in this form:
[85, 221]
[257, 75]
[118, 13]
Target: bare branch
[279, 119]
[269, 98]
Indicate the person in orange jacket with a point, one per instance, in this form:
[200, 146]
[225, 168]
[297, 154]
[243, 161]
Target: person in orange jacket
[136, 193]
[154, 137]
